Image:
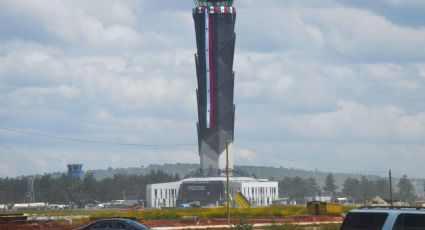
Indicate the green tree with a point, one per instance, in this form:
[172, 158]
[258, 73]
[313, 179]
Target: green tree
[66, 189]
[365, 189]
[405, 189]
[351, 188]
[330, 185]
[381, 188]
[297, 187]
[312, 186]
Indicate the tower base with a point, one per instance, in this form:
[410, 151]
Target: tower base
[211, 161]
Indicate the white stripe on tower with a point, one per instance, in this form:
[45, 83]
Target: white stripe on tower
[207, 67]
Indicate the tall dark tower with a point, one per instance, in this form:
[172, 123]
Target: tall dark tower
[215, 40]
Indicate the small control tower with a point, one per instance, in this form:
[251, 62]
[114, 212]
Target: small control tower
[76, 171]
[215, 40]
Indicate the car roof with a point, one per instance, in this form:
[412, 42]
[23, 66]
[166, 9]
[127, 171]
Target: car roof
[130, 221]
[389, 209]
[116, 218]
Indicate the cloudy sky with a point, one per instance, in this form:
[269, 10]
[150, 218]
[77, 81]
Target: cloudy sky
[334, 85]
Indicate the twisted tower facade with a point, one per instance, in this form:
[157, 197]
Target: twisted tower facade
[215, 39]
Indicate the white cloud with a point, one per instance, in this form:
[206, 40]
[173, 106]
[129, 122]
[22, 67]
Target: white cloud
[243, 156]
[360, 33]
[74, 25]
[314, 80]
[356, 122]
[5, 170]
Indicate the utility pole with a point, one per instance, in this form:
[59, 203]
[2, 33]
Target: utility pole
[391, 189]
[227, 181]
[424, 189]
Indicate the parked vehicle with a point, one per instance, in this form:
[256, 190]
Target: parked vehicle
[385, 218]
[114, 224]
[29, 206]
[3, 208]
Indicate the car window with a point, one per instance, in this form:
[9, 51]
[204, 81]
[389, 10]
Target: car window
[410, 222]
[120, 226]
[101, 225]
[137, 225]
[364, 221]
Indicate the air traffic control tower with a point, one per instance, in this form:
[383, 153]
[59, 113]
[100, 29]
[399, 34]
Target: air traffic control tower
[215, 40]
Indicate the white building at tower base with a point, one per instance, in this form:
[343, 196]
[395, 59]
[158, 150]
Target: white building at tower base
[211, 191]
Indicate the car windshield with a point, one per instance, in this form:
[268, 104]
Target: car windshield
[364, 221]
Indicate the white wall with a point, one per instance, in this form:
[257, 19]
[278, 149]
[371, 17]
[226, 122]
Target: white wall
[258, 193]
[162, 195]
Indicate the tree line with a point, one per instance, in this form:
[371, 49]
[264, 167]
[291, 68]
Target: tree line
[66, 189]
[357, 189]
[69, 190]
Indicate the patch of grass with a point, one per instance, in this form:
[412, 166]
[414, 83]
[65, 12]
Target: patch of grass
[329, 227]
[243, 225]
[176, 213]
[288, 226]
[284, 227]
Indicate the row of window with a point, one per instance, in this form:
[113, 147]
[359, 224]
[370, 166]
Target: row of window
[263, 201]
[164, 203]
[259, 191]
[165, 193]
[213, 3]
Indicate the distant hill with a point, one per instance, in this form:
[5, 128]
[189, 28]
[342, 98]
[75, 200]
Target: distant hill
[179, 168]
[262, 172]
[259, 171]
[265, 172]
[281, 172]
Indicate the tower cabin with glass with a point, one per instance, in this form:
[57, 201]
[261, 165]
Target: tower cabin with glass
[208, 3]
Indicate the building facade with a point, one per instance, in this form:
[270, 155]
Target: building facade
[215, 40]
[210, 191]
[162, 194]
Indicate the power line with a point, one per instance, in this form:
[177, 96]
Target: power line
[276, 156]
[92, 141]
[155, 146]
[316, 166]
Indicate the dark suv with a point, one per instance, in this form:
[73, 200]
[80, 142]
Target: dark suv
[385, 218]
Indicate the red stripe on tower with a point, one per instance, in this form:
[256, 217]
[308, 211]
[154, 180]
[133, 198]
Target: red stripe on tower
[211, 71]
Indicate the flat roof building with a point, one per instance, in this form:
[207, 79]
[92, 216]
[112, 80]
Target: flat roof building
[210, 191]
